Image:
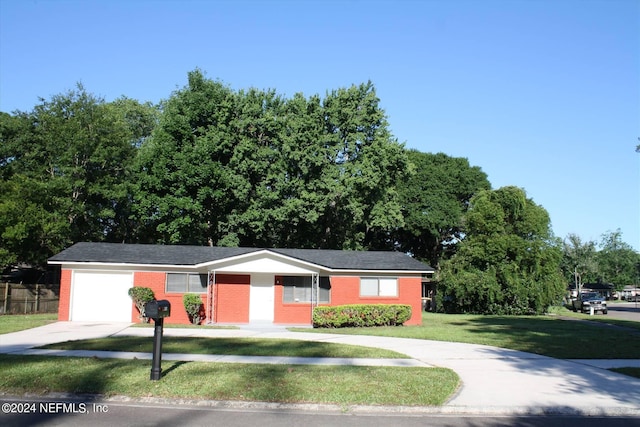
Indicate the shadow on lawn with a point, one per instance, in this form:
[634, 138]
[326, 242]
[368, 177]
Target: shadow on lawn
[561, 338]
[80, 390]
[174, 366]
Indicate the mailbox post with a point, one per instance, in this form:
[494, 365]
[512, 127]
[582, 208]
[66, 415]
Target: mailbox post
[157, 310]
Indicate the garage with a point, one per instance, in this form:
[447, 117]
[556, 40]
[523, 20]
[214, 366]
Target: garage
[101, 296]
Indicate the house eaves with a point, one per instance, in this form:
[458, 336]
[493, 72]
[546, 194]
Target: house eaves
[114, 255]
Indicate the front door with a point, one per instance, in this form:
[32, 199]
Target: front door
[261, 300]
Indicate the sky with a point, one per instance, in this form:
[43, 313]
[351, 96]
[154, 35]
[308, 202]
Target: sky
[540, 94]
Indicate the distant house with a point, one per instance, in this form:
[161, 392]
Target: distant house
[605, 289]
[630, 293]
[237, 285]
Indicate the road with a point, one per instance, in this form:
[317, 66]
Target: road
[108, 413]
[624, 310]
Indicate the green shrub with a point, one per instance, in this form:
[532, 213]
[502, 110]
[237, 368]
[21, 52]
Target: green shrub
[194, 307]
[141, 296]
[360, 315]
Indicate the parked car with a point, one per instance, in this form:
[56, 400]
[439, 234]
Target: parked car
[588, 300]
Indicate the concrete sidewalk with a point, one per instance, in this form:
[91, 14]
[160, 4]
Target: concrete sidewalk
[221, 358]
[494, 380]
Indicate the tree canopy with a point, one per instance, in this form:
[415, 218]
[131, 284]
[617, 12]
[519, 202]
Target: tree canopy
[64, 173]
[579, 264]
[618, 263]
[214, 166]
[254, 169]
[508, 262]
[611, 261]
[434, 199]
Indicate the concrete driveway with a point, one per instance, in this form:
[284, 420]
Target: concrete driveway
[57, 332]
[494, 380]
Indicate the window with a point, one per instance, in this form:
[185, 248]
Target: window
[298, 289]
[186, 282]
[378, 287]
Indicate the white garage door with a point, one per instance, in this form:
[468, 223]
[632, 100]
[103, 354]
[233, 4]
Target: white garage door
[100, 296]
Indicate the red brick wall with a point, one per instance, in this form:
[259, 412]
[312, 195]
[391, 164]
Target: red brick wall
[232, 289]
[289, 313]
[410, 288]
[65, 295]
[231, 300]
[346, 290]
[156, 281]
[233, 293]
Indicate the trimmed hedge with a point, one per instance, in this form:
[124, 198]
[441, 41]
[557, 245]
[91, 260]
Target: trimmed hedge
[193, 306]
[361, 315]
[141, 296]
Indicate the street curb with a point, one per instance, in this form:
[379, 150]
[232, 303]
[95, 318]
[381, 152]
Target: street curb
[198, 404]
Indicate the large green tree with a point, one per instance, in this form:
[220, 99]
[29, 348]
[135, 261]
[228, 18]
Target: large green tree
[182, 187]
[65, 172]
[618, 262]
[360, 206]
[251, 168]
[508, 261]
[306, 159]
[434, 199]
[258, 171]
[579, 261]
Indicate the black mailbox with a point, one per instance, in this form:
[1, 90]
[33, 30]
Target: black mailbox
[157, 309]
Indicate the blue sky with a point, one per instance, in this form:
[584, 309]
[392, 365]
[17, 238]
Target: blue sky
[541, 94]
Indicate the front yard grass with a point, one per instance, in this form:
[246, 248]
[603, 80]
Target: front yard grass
[231, 346]
[598, 318]
[19, 322]
[341, 385]
[544, 335]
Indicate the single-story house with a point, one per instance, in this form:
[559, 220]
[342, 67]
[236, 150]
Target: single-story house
[605, 289]
[630, 293]
[237, 285]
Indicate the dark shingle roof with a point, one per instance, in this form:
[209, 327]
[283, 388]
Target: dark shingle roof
[145, 254]
[356, 260]
[119, 253]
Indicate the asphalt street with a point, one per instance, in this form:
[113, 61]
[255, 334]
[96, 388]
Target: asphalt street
[624, 310]
[170, 414]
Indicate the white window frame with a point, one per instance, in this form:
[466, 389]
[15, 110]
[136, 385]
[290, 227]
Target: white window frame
[307, 290]
[378, 287]
[202, 278]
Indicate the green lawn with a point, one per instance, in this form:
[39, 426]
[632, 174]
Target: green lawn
[545, 335]
[598, 318]
[18, 322]
[342, 385]
[231, 346]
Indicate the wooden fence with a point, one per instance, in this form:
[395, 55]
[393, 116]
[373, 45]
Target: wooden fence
[24, 299]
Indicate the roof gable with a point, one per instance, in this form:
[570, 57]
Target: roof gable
[263, 261]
